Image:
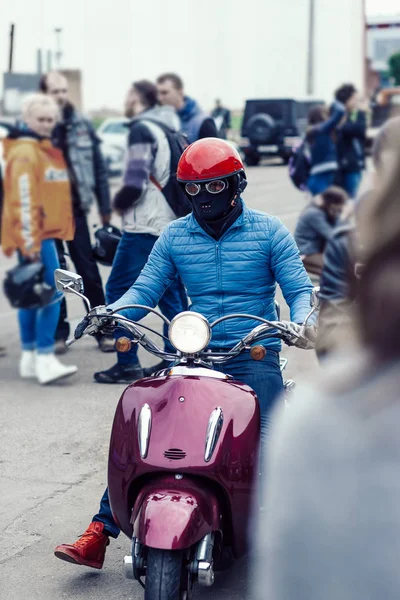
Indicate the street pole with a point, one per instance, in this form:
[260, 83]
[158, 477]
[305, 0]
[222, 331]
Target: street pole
[49, 61]
[58, 53]
[365, 52]
[10, 62]
[310, 50]
[39, 61]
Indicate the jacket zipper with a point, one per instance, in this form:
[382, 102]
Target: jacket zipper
[219, 289]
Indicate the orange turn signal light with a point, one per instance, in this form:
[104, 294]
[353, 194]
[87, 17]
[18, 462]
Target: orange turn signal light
[258, 352]
[123, 344]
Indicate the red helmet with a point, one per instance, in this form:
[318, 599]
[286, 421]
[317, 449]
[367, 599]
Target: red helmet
[207, 159]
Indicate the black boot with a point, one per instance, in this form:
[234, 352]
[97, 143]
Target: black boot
[120, 374]
[164, 364]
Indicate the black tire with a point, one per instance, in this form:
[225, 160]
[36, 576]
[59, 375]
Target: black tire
[261, 128]
[252, 160]
[163, 575]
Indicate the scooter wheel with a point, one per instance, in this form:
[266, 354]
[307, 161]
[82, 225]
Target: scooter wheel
[166, 575]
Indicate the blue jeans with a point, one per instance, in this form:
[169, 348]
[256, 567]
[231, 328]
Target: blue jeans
[38, 326]
[263, 376]
[351, 182]
[132, 254]
[320, 182]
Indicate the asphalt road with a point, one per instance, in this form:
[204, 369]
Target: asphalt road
[54, 444]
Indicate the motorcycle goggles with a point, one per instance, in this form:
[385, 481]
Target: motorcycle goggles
[216, 186]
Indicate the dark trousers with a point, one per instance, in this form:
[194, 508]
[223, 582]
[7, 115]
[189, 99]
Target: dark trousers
[80, 251]
[263, 376]
[132, 254]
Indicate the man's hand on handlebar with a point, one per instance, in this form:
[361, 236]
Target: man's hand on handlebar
[93, 322]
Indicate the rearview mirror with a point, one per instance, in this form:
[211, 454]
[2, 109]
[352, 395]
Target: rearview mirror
[315, 301]
[66, 281]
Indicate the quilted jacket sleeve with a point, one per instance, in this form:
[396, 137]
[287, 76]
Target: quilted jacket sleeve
[289, 271]
[156, 276]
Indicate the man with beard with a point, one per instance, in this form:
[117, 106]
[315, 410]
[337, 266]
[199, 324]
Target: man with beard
[143, 203]
[316, 225]
[75, 136]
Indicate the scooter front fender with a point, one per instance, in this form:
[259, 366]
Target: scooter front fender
[172, 518]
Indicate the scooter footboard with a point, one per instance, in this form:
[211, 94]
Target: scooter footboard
[172, 518]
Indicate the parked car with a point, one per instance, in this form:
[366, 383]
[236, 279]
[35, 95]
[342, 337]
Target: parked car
[271, 127]
[113, 133]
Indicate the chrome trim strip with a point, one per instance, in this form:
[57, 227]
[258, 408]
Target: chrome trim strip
[215, 423]
[191, 371]
[144, 429]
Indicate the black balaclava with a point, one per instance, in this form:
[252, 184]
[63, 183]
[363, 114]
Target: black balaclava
[215, 213]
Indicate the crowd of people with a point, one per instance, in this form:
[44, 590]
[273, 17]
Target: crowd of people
[53, 151]
[327, 453]
[335, 145]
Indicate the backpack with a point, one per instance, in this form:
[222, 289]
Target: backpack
[300, 165]
[173, 192]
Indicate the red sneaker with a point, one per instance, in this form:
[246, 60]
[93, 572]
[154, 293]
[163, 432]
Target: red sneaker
[89, 550]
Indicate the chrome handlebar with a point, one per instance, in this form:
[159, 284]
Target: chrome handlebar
[267, 329]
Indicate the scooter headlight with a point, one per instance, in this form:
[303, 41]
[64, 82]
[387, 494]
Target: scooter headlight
[189, 332]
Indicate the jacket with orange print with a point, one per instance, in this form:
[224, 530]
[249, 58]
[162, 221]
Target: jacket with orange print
[37, 195]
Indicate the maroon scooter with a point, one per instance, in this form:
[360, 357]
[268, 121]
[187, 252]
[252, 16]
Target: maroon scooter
[183, 459]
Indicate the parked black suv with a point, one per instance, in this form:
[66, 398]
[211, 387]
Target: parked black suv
[273, 127]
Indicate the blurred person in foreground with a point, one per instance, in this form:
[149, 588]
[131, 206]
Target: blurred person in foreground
[143, 204]
[319, 136]
[342, 254]
[316, 225]
[75, 136]
[222, 119]
[195, 123]
[350, 139]
[331, 527]
[37, 210]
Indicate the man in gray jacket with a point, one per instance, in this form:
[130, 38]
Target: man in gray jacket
[75, 136]
[316, 225]
[145, 213]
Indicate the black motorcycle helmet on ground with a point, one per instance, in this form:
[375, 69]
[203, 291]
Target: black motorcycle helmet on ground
[105, 247]
[24, 286]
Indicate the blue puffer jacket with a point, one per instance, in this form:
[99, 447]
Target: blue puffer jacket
[237, 274]
[322, 145]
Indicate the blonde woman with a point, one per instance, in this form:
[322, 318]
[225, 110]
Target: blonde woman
[37, 210]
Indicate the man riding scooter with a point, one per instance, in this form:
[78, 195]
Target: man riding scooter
[230, 259]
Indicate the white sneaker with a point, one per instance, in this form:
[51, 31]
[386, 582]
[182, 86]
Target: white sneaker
[49, 368]
[27, 364]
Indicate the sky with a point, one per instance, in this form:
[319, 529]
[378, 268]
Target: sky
[219, 46]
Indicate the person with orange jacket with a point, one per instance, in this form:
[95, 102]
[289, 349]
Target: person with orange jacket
[37, 209]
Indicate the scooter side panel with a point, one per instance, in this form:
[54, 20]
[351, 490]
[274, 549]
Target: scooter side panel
[181, 408]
